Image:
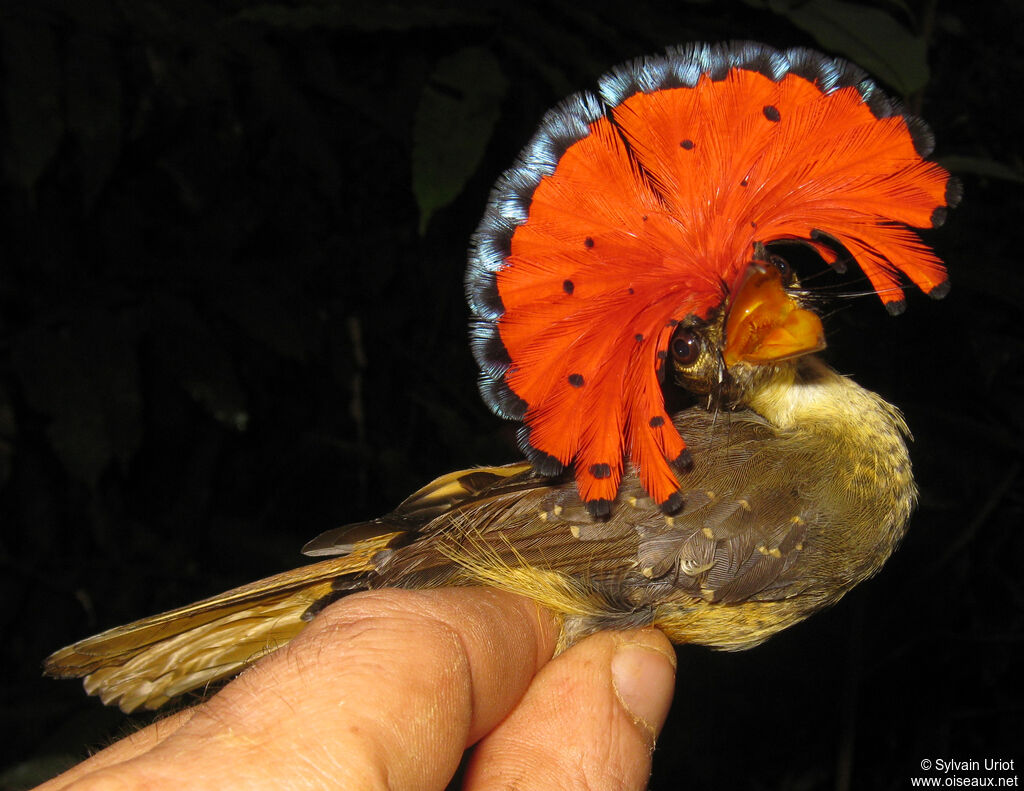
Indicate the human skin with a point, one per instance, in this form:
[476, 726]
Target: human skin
[387, 689]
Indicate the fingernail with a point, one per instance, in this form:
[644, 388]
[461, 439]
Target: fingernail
[644, 678]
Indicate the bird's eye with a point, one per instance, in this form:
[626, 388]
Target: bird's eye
[782, 266]
[685, 346]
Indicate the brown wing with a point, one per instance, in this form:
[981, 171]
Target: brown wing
[737, 538]
[749, 501]
[435, 499]
[775, 525]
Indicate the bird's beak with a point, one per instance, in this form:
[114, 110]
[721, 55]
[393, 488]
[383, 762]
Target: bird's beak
[765, 324]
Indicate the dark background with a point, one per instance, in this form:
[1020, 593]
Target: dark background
[231, 316]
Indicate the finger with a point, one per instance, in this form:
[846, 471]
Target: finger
[589, 720]
[383, 689]
[127, 748]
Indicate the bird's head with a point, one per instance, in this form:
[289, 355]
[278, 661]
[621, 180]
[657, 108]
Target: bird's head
[754, 339]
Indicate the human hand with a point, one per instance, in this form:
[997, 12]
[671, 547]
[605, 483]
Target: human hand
[387, 689]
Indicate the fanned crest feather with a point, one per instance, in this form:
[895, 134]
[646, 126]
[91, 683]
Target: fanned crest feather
[636, 208]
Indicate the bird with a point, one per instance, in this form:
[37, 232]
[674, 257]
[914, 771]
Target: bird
[629, 296]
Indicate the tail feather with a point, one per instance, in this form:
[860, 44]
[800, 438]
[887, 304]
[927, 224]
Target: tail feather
[150, 676]
[144, 664]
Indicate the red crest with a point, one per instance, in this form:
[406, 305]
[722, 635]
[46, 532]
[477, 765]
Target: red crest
[631, 208]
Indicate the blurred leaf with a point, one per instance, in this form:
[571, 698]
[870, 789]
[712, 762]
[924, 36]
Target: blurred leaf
[951, 24]
[296, 121]
[8, 429]
[871, 38]
[38, 769]
[902, 5]
[531, 51]
[99, 16]
[997, 358]
[459, 106]
[83, 374]
[366, 16]
[264, 316]
[198, 361]
[982, 166]
[93, 108]
[31, 82]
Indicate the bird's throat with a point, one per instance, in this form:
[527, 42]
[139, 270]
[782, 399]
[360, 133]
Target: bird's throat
[811, 395]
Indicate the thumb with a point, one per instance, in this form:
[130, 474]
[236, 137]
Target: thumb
[589, 720]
